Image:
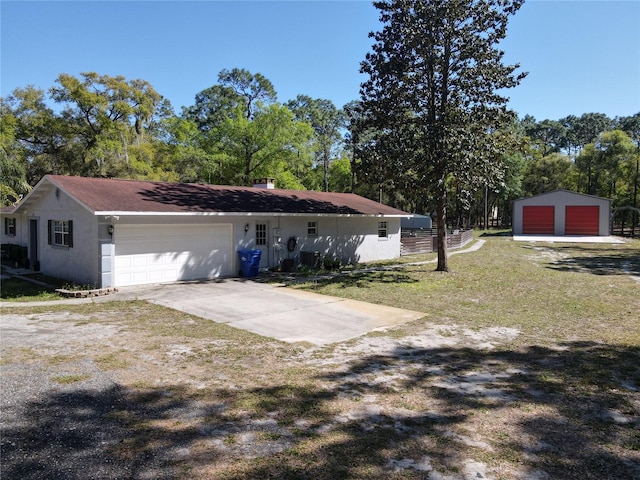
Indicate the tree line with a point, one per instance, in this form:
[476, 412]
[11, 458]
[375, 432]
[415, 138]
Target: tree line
[429, 134]
[103, 126]
[591, 154]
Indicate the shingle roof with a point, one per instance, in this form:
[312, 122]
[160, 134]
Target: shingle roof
[112, 195]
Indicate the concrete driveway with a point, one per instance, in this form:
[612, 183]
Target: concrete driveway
[275, 311]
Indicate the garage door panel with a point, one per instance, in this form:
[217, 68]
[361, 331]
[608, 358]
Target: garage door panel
[167, 253]
[538, 219]
[582, 220]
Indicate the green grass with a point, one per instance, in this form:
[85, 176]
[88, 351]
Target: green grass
[113, 361]
[549, 291]
[572, 368]
[17, 290]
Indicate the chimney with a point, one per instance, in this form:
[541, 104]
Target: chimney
[265, 182]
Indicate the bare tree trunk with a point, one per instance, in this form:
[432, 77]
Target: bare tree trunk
[247, 166]
[443, 258]
[353, 169]
[326, 157]
[635, 198]
[124, 149]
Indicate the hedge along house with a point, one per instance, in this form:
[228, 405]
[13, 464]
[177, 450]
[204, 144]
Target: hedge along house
[112, 233]
[561, 212]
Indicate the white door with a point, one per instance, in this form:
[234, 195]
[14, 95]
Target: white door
[168, 253]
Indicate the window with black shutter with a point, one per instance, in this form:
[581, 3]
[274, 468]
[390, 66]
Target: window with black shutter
[10, 226]
[60, 233]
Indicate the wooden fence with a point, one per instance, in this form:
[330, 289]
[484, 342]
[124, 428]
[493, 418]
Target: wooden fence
[413, 242]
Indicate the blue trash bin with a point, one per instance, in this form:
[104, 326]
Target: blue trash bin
[250, 262]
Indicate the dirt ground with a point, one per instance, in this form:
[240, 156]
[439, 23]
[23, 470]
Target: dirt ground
[138, 391]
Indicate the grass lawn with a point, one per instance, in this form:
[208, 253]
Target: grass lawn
[526, 366]
[550, 292]
[17, 290]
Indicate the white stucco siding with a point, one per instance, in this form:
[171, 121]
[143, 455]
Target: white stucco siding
[560, 199]
[21, 234]
[79, 263]
[351, 239]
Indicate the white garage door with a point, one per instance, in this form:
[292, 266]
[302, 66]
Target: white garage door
[167, 253]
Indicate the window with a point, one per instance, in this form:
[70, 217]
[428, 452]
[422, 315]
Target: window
[10, 226]
[261, 233]
[382, 230]
[60, 233]
[312, 228]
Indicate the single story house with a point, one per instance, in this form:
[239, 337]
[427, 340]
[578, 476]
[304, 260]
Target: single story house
[111, 233]
[561, 212]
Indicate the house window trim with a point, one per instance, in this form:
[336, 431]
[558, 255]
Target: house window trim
[10, 226]
[312, 228]
[261, 234]
[66, 237]
[383, 227]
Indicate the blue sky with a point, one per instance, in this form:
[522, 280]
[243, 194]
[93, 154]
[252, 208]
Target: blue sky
[582, 56]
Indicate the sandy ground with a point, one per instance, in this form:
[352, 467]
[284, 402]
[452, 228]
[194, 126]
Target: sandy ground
[61, 345]
[95, 396]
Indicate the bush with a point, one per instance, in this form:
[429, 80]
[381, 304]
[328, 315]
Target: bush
[13, 254]
[331, 263]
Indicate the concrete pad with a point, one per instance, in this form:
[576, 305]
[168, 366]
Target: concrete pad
[566, 239]
[278, 312]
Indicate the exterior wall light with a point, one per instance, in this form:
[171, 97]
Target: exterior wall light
[110, 229]
[246, 228]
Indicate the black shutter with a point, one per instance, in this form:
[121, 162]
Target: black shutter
[6, 226]
[70, 237]
[50, 231]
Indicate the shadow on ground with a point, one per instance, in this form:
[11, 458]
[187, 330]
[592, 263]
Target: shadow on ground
[573, 415]
[625, 260]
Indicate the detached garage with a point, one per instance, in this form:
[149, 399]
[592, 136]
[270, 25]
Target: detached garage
[561, 212]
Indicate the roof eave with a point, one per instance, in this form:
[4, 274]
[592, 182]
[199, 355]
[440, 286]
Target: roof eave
[117, 213]
[36, 194]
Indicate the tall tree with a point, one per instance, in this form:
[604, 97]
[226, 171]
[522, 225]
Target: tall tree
[255, 90]
[545, 174]
[212, 106]
[257, 147]
[13, 174]
[353, 120]
[247, 133]
[631, 126]
[586, 128]
[39, 137]
[604, 162]
[432, 94]
[106, 115]
[549, 136]
[326, 121]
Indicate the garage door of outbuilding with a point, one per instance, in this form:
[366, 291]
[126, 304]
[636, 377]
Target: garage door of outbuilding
[538, 219]
[168, 253]
[582, 220]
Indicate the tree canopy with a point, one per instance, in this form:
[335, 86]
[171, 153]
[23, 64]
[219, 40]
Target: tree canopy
[432, 103]
[236, 129]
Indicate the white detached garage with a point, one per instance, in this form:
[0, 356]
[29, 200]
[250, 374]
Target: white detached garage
[113, 233]
[561, 212]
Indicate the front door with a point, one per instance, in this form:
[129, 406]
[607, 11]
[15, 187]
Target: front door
[262, 243]
[33, 243]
